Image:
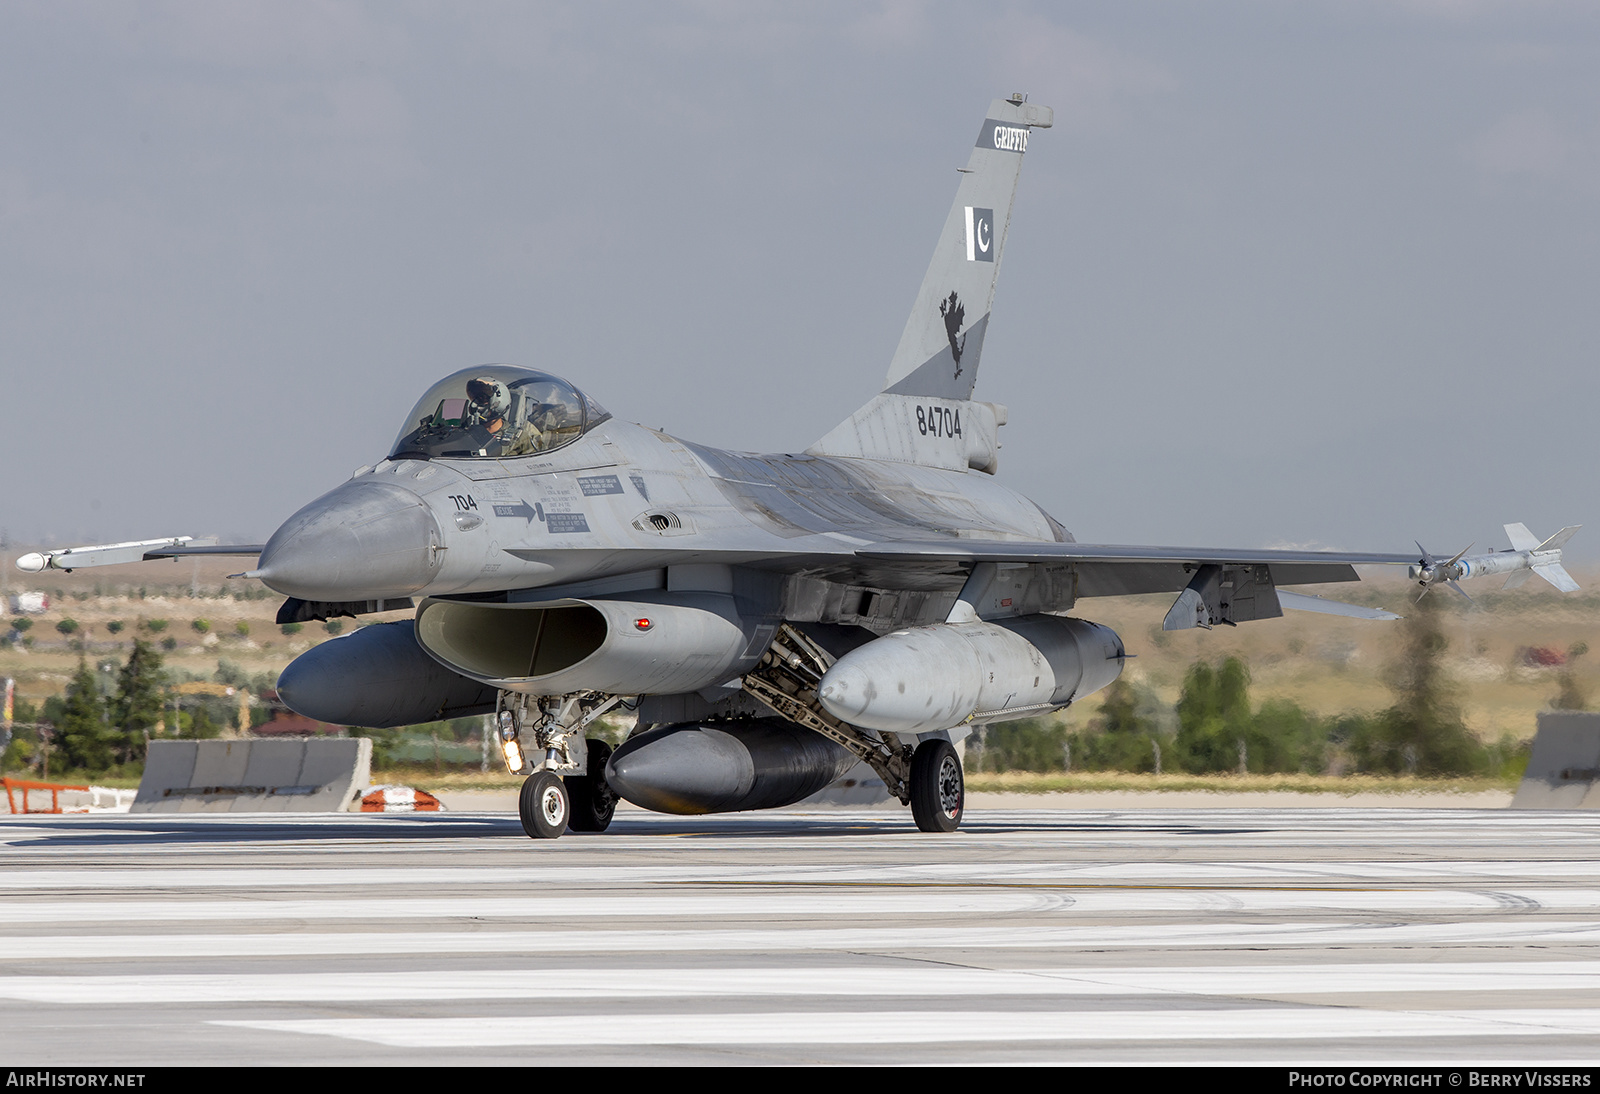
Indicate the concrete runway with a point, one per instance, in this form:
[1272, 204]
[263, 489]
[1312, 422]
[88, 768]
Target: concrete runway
[1332, 936]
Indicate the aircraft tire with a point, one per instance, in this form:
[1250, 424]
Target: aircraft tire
[938, 790]
[544, 806]
[593, 801]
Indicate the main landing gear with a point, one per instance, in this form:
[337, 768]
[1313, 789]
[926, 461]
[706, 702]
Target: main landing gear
[938, 791]
[928, 779]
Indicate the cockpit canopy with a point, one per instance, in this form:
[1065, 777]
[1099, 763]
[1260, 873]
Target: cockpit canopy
[496, 411]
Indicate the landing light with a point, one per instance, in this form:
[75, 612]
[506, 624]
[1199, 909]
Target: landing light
[513, 754]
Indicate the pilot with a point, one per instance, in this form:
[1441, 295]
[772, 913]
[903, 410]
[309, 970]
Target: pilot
[533, 436]
[490, 403]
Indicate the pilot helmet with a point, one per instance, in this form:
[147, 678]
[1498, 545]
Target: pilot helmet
[489, 396]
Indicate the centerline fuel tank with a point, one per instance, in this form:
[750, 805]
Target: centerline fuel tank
[723, 767]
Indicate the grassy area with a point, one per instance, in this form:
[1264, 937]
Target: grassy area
[1024, 782]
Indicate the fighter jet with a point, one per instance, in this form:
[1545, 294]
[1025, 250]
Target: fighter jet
[772, 620]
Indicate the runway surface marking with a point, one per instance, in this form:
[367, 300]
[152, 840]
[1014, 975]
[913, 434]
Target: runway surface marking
[780, 902]
[1000, 936]
[946, 1026]
[1355, 936]
[601, 982]
[1369, 872]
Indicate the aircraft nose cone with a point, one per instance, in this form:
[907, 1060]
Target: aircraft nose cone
[673, 771]
[363, 541]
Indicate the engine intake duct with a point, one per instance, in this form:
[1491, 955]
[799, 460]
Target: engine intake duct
[658, 643]
[724, 767]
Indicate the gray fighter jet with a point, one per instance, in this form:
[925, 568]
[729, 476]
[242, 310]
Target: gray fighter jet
[772, 619]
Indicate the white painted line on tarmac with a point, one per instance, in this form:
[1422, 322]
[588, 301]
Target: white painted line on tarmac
[277, 878]
[865, 901]
[899, 980]
[941, 1027]
[1516, 930]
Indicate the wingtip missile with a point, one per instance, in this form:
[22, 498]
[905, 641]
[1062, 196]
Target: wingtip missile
[100, 554]
[1528, 554]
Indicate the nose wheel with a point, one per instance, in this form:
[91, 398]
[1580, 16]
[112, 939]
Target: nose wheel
[938, 791]
[544, 806]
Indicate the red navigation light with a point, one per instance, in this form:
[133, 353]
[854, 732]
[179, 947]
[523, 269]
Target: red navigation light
[643, 624]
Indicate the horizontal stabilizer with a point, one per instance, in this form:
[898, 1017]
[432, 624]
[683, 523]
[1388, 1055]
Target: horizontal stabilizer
[1556, 574]
[1301, 602]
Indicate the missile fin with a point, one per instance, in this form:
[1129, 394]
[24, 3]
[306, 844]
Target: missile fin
[1559, 540]
[1521, 539]
[1516, 579]
[1555, 574]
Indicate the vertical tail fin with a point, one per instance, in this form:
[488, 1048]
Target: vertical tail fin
[924, 414]
[943, 340]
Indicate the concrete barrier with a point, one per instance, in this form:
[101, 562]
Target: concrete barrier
[254, 776]
[1564, 770]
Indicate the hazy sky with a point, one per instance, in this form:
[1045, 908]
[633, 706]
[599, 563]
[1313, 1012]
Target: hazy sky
[1282, 273]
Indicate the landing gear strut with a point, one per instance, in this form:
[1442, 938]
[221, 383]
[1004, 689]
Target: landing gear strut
[542, 738]
[938, 792]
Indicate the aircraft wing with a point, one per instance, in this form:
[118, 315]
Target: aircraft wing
[1106, 569]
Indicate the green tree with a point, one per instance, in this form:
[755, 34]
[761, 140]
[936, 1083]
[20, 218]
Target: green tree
[200, 725]
[1213, 716]
[1220, 730]
[1124, 733]
[84, 737]
[67, 626]
[1423, 733]
[1029, 744]
[141, 694]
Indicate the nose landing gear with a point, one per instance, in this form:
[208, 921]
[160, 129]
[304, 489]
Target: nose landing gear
[544, 806]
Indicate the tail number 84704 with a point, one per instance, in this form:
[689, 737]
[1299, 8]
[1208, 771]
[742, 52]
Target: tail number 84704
[939, 421]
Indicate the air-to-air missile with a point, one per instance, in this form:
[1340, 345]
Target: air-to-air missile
[1527, 555]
